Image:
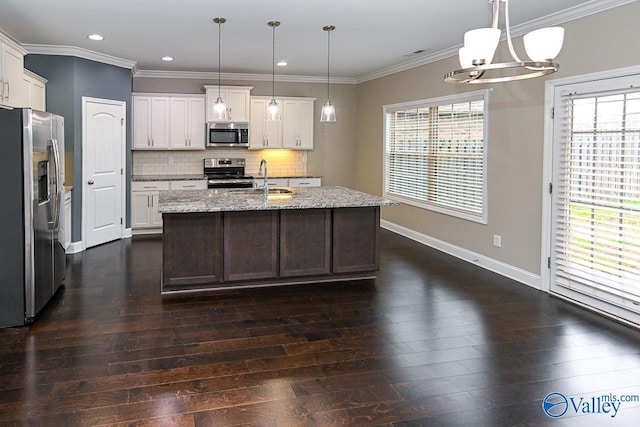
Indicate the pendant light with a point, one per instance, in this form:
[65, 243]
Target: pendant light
[476, 56]
[273, 110]
[220, 111]
[328, 113]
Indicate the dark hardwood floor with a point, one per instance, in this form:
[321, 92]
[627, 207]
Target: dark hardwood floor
[434, 341]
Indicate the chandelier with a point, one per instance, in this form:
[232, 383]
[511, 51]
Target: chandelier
[476, 56]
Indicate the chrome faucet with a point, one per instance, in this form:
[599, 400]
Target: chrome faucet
[265, 188]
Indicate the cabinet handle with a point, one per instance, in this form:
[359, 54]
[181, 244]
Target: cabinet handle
[90, 182]
[229, 113]
[189, 141]
[148, 142]
[2, 87]
[148, 203]
[8, 89]
[188, 186]
[149, 186]
[152, 142]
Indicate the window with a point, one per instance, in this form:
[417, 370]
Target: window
[435, 154]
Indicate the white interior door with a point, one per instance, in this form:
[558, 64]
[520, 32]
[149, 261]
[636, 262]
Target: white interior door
[103, 170]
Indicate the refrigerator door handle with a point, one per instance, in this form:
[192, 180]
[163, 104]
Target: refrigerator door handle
[56, 197]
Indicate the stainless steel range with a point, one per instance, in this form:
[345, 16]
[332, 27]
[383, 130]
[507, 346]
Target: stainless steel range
[227, 173]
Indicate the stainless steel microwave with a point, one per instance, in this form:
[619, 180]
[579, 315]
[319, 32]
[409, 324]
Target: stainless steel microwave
[227, 134]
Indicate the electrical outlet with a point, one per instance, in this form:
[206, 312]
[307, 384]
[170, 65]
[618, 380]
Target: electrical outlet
[497, 240]
[170, 160]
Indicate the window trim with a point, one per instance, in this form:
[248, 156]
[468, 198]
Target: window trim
[434, 102]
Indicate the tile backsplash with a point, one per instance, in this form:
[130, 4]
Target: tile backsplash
[281, 162]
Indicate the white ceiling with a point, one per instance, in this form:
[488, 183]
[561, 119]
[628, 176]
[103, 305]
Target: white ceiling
[370, 35]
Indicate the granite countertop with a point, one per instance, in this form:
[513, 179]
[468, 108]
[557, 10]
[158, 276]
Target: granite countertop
[221, 200]
[185, 177]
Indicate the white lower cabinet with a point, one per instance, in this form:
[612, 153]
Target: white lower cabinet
[188, 185]
[289, 182]
[144, 205]
[65, 224]
[145, 217]
[305, 182]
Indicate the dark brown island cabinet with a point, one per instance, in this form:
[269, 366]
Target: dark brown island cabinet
[255, 248]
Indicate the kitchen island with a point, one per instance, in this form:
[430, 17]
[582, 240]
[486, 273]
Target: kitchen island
[238, 238]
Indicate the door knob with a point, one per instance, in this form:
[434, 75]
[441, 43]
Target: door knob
[90, 182]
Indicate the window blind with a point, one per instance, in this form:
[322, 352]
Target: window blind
[597, 205]
[435, 155]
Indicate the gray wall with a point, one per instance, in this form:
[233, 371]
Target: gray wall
[69, 79]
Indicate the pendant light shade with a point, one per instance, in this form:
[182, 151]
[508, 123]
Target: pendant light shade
[273, 110]
[220, 110]
[328, 113]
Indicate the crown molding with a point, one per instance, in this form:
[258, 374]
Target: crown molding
[43, 49]
[212, 75]
[588, 8]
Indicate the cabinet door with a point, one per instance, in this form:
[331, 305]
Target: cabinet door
[250, 245]
[305, 125]
[196, 124]
[159, 122]
[262, 133]
[154, 214]
[305, 242]
[297, 124]
[140, 209]
[290, 124]
[355, 239]
[141, 122]
[238, 105]
[37, 95]
[179, 135]
[12, 73]
[192, 250]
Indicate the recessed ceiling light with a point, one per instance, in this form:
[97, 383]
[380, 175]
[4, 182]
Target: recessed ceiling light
[167, 58]
[282, 63]
[96, 37]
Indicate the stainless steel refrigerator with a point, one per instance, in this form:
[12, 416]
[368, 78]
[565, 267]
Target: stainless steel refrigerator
[31, 195]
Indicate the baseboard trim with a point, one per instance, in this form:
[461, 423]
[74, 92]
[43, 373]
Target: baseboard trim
[499, 267]
[76, 247]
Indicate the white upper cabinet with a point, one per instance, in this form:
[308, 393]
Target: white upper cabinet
[34, 91]
[187, 123]
[294, 131]
[11, 73]
[297, 124]
[168, 122]
[237, 99]
[150, 122]
[263, 134]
